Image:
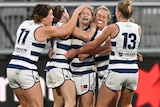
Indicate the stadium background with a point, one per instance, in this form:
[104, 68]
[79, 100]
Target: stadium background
[146, 13]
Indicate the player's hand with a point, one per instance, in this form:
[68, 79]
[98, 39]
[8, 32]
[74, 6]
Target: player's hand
[79, 9]
[70, 54]
[83, 56]
[50, 53]
[93, 25]
[140, 57]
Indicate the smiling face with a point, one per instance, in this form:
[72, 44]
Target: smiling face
[101, 18]
[85, 17]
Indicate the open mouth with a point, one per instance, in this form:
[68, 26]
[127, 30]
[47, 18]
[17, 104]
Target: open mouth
[85, 18]
[100, 22]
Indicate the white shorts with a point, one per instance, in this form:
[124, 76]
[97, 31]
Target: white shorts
[101, 73]
[100, 76]
[56, 77]
[22, 78]
[115, 81]
[99, 83]
[85, 83]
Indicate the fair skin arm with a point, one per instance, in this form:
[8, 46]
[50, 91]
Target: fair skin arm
[100, 50]
[104, 49]
[90, 33]
[85, 35]
[50, 53]
[139, 56]
[140, 30]
[110, 31]
[44, 32]
[79, 33]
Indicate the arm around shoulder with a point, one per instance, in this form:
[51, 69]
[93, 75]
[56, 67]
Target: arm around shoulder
[84, 35]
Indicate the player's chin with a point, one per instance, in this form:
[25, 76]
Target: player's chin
[99, 25]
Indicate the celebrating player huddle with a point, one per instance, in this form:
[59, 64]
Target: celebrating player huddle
[82, 47]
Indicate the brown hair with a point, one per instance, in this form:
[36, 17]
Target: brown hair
[40, 11]
[57, 13]
[91, 9]
[125, 8]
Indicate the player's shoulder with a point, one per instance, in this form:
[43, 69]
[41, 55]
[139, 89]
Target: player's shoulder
[112, 27]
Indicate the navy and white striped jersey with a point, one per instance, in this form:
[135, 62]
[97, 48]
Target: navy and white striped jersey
[85, 66]
[102, 60]
[27, 50]
[123, 58]
[60, 46]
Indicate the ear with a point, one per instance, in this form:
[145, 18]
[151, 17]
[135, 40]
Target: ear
[43, 19]
[64, 14]
[119, 14]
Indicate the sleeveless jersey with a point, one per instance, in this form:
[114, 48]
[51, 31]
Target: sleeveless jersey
[101, 60]
[27, 50]
[60, 46]
[123, 58]
[86, 65]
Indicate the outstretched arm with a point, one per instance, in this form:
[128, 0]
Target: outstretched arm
[100, 50]
[89, 47]
[45, 32]
[103, 49]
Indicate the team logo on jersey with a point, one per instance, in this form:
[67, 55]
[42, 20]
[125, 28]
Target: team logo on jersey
[126, 54]
[20, 50]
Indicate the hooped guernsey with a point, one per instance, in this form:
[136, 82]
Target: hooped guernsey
[123, 58]
[27, 49]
